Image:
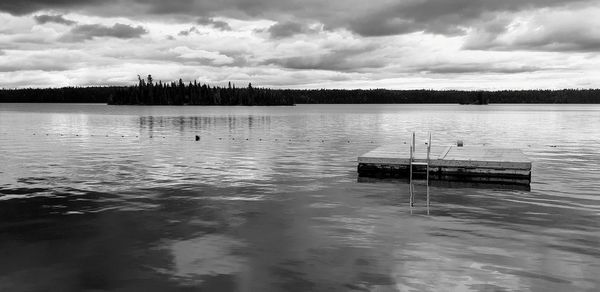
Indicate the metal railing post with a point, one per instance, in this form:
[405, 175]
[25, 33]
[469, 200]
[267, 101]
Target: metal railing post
[410, 187]
[428, 160]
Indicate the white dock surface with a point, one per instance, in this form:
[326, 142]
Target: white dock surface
[450, 156]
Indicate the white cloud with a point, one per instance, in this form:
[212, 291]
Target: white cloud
[501, 48]
[215, 57]
[543, 30]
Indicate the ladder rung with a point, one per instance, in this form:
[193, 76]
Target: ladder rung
[419, 163]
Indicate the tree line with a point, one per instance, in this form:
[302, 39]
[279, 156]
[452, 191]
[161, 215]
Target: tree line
[57, 95]
[148, 92]
[340, 96]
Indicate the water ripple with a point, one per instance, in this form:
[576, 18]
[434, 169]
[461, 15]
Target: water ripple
[97, 197]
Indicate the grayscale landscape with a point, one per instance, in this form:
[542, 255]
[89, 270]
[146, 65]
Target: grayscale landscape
[264, 145]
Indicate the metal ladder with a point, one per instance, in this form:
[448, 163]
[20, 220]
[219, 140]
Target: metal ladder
[413, 162]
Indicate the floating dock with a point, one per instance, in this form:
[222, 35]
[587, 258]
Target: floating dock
[451, 163]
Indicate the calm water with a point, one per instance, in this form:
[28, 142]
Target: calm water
[104, 198]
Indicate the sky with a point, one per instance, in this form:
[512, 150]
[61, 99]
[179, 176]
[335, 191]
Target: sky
[401, 44]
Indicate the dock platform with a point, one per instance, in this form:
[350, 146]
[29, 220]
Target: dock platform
[452, 163]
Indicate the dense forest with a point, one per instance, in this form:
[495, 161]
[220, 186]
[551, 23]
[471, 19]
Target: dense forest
[148, 92]
[65, 94]
[445, 96]
[178, 93]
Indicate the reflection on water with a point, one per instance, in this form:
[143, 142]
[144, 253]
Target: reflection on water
[456, 184]
[207, 255]
[105, 198]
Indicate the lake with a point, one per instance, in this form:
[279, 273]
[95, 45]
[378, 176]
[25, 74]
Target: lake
[122, 198]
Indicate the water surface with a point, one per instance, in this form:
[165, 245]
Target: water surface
[119, 198]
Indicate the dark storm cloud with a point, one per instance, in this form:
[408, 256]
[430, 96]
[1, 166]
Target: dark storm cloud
[192, 29]
[377, 18]
[90, 31]
[566, 39]
[20, 7]
[287, 29]
[208, 21]
[369, 19]
[340, 60]
[375, 26]
[439, 16]
[43, 19]
[572, 43]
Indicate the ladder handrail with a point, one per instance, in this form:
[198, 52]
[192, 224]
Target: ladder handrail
[412, 150]
[428, 157]
[410, 190]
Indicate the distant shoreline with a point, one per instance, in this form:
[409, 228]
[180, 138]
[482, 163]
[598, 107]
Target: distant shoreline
[196, 94]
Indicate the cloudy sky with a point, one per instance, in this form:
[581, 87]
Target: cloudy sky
[400, 44]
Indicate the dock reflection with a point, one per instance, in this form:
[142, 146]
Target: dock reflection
[452, 184]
